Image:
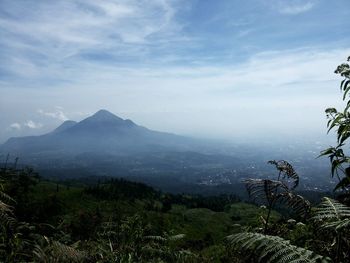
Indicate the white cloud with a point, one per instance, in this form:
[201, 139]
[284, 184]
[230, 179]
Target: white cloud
[53, 37]
[15, 126]
[57, 114]
[290, 8]
[32, 125]
[77, 24]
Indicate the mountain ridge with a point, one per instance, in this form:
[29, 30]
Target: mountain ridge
[102, 131]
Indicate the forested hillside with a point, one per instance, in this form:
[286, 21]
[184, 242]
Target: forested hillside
[121, 221]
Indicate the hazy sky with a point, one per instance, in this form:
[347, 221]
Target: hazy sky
[223, 68]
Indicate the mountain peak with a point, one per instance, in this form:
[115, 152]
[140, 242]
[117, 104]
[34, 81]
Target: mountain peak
[104, 115]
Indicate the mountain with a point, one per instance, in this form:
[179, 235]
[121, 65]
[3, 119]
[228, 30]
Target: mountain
[107, 145]
[102, 132]
[65, 125]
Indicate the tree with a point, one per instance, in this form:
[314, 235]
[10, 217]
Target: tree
[340, 122]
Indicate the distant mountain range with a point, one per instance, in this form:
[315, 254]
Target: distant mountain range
[106, 145]
[102, 132]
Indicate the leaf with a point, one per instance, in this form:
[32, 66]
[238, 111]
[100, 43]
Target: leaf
[344, 183]
[346, 89]
[344, 137]
[273, 248]
[335, 165]
[331, 111]
[263, 188]
[330, 209]
[286, 170]
[298, 203]
[341, 84]
[328, 151]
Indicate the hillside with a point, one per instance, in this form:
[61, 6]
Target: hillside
[102, 132]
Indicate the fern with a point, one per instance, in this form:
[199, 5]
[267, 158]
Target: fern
[298, 203]
[332, 214]
[287, 171]
[166, 238]
[273, 191]
[264, 188]
[7, 218]
[274, 249]
[280, 190]
[162, 247]
[337, 225]
[331, 209]
[54, 251]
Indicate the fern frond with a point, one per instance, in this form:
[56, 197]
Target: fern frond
[176, 237]
[331, 209]
[156, 238]
[5, 208]
[332, 214]
[286, 170]
[7, 220]
[298, 203]
[6, 198]
[6, 212]
[274, 249]
[67, 252]
[55, 251]
[263, 188]
[337, 225]
[185, 255]
[166, 238]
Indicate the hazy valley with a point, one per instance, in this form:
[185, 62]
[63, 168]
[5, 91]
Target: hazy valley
[108, 146]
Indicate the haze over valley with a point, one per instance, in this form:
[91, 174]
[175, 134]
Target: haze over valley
[108, 146]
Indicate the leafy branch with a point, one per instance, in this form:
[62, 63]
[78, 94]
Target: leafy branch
[340, 121]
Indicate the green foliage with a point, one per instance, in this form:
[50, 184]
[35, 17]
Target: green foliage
[20, 241]
[327, 233]
[54, 251]
[273, 248]
[130, 242]
[334, 217]
[331, 210]
[17, 184]
[121, 189]
[251, 215]
[94, 226]
[340, 121]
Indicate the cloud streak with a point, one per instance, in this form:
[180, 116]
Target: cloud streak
[32, 125]
[15, 126]
[41, 37]
[57, 114]
[295, 9]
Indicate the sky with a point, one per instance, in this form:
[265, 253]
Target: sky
[216, 69]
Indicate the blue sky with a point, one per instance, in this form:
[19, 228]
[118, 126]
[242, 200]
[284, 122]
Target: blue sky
[222, 68]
